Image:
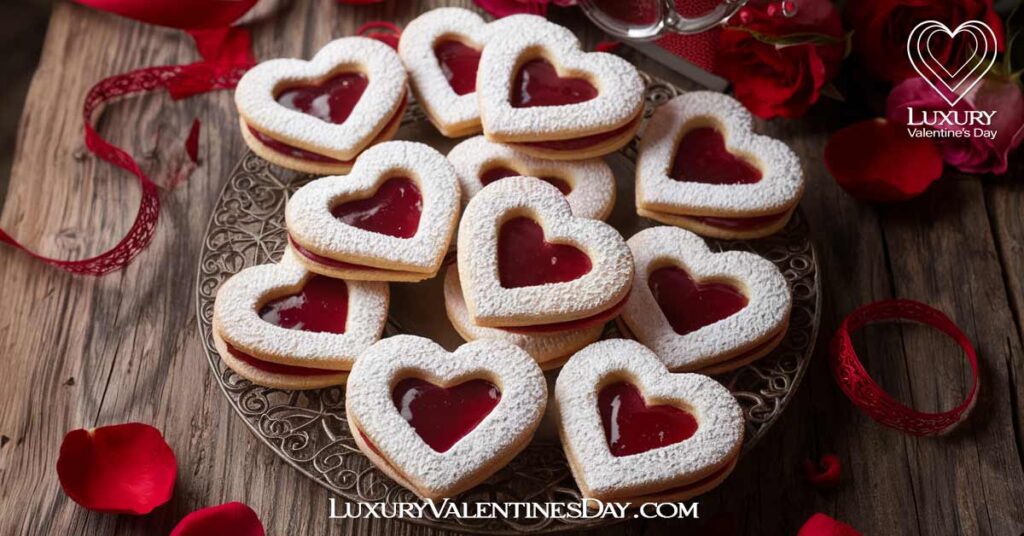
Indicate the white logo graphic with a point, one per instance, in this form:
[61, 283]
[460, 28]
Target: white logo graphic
[952, 85]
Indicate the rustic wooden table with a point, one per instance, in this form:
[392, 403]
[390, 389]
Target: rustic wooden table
[83, 352]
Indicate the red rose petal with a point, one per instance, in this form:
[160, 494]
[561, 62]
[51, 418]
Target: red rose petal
[825, 473]
[877, 161]
[823, 525]
[121, 469]
[232, 518]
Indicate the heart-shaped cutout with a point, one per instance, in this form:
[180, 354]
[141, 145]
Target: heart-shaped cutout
[669, 436]
[282, 326]
[441, 50]
[459, 63]
[632, 427]
[331, 101]
[531, 79]
[689, 305]
[390, 219]
[700, 310]
[333, 105]
[438, 422]
[442, 416]
[588, 185]
[525, 260]
[321, 306]
[394, 209]
[537, 83]
[702, 156]
[700, 166]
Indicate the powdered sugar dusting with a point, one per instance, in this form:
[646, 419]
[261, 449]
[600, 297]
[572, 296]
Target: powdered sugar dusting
[620, 88]
[490, 304]
[767, 310]
[312, 226]
[715, 444]
[452, 113]
[236, 316]
[503, 432]
[542, 347]
[593, 184]
[255, 97]
[782, 178]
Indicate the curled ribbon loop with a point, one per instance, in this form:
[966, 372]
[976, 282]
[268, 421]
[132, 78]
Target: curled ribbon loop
[869, 396]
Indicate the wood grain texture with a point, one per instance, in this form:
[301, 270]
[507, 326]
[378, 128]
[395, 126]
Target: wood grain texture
[82, 352]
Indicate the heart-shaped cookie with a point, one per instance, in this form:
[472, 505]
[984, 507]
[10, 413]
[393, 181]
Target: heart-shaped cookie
[440, 423]
[282, 326]
[525, 260]
[441, 50]
[539, 90]
[700, 166]
[390, 219]
[549, 350]
[318, 115]
[588, 185]
[700, 310]
[633, 432]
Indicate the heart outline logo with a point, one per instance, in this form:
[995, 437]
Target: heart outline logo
[951, 86]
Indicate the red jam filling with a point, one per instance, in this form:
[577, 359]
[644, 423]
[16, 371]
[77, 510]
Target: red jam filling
[688, 305]
[537, 84]
[394, 209]
[498, 173]
[333, 263]
[331, 101]
[321, 307]
[302, 154]
[525, 259]
[739, 224]
[632, 427]
[575, 144]
[458, 62]
[701, 156]
[278, 368]
[582, 323]
[444, 415]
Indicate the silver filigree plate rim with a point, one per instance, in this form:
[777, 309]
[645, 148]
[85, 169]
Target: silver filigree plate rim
[658, 91]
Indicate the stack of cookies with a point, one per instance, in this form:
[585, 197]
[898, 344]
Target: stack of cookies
[538, 274]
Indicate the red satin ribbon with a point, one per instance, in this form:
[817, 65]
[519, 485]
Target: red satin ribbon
[226, 56]
[869, 397]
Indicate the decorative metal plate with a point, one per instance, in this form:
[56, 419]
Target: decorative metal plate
[308, 429]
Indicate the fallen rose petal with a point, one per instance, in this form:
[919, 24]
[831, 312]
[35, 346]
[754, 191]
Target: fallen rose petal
[877, 161]
[824, 473]
[232, 518]
[120, 469]
[823, 525]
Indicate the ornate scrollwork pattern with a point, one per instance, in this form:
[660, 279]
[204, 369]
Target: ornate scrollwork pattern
[308, 429]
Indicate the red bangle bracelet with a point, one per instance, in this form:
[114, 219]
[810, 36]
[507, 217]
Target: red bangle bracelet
[869, 397]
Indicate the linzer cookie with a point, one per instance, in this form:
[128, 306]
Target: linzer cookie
[700, 310]
[390, 219]
[549, 350]
[528, 265]
[441, 50]
[588, 185]
[539, 91]
[316, 116]
[701, 167]
[281, 326]
[440, 423]
[633, 432]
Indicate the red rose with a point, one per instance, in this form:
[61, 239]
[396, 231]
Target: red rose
[881, 29]
[778, 65]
